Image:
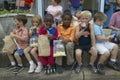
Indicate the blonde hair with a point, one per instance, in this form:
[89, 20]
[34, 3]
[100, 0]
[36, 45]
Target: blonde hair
[86, 13]
[100, 16]
[38, 18]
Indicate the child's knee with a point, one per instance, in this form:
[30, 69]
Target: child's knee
[16, 55]
[78, 53]
[107, 54]
[116, 46]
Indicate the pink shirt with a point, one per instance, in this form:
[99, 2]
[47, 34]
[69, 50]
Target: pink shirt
[115, 20]
[23, 33]
[54, 9]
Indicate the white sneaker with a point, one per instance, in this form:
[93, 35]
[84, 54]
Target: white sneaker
[38, 69]
[32, 68]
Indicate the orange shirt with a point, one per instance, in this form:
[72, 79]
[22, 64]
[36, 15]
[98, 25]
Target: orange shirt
[66, 33]
[28, 2]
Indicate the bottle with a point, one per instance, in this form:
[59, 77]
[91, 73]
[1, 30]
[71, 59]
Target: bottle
[83, 25]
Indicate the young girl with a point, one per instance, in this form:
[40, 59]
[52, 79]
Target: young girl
[56, 10]
[48, 29]
[20, 36]
[32, 48]
[66, 32]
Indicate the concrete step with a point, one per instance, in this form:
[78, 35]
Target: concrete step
[85, 74]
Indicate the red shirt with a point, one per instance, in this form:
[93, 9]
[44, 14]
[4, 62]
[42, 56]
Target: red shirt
[28, 2]
[23, 33]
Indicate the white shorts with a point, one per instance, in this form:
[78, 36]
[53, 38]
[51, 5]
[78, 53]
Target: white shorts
[104, 47]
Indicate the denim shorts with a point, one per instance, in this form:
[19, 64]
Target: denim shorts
[19, 51]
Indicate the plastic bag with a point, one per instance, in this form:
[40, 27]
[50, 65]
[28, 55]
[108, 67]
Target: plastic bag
[34, 39]
[116, 38]
[59, 49]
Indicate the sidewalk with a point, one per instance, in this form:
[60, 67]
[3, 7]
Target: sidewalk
[67, 75]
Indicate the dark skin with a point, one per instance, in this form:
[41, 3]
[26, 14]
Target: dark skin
[48, 21]
[66, 24]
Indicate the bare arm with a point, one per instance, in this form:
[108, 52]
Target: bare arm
[78, 33]
[92, 36]
[114, 28]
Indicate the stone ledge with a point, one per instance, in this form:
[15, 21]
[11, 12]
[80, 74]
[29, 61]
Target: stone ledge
[85, 74]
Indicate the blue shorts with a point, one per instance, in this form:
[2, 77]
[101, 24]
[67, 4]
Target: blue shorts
[19, 51]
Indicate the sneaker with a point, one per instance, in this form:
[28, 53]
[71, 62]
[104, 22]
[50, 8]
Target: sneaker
[100, 68]
[92, 68]
[114, 65]
[78, 68]
[38, 69]
[32, 68]
[18, 69]
[11, 67]
[45, 68]
[59, 69]
[53, 69]
[48, 71]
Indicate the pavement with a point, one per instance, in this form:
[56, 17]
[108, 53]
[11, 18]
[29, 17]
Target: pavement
[85, 74]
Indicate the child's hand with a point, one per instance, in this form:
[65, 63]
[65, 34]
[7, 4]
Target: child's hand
[50, 37]
[61, 38]
[109, 38]
[12, 35]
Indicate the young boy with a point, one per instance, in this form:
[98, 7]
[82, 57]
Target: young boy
[66, 33]
[104, 47]
[85, 41]
[20, 34]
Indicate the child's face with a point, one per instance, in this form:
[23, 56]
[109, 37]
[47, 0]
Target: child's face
[66, 20]
[35, 22]
[100, 23]
[48, 22]
[53, 2]
[18, 24]
[77, 15]
[85, 19]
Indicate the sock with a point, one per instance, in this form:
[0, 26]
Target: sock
[39, 63]
[31, 62]
[13, 63]
[91, 64]
[113, 60]
[20, 65]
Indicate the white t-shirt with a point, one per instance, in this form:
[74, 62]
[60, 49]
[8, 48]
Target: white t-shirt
[54, 9]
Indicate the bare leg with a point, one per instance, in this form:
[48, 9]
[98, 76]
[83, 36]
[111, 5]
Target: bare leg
[104, 57]
[78, 56]
[93, 53]
[27, 54]
[114, 52]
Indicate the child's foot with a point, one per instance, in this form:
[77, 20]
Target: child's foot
[18, 69]
[114, 65]
[47, 70]
[59, 69]
[38, 69]
[11, 67]
[78, 68]
[32, 68]
[53, 69]
[100, 68]
[92, 68]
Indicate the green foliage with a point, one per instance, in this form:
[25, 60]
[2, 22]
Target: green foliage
[4, 11]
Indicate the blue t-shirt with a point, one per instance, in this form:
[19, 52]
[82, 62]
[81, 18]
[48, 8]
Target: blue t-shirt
[51, 31]
[98, 31]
